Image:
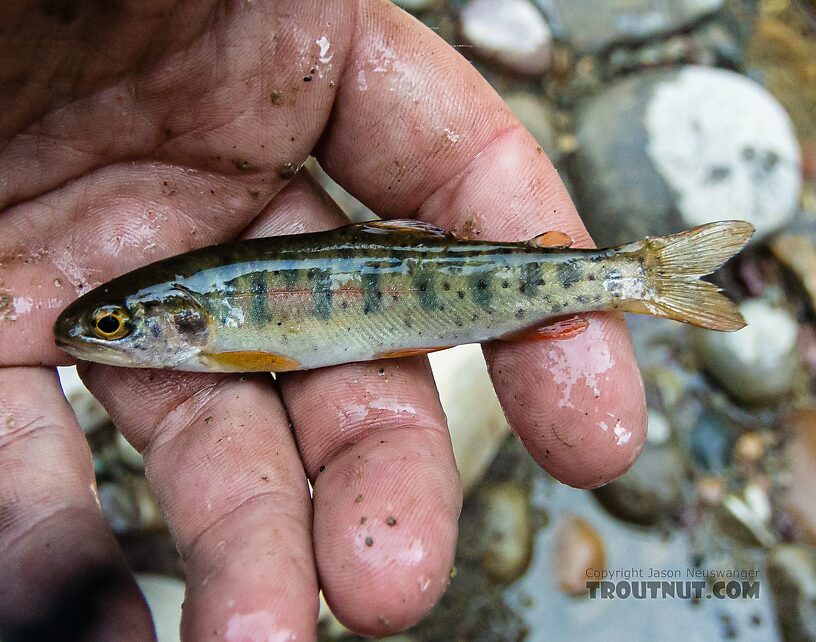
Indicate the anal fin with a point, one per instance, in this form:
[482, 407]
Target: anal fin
[409, 352]
[560, 329]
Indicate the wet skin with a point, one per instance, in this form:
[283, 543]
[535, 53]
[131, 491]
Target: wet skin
[142, 131]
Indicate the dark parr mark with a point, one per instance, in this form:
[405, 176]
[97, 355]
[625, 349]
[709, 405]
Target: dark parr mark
[320, 283]
[259, 287]
[423, 284]
[569, 273]
[290, 278]
[372, 294]
[480, 290]
[530, 279]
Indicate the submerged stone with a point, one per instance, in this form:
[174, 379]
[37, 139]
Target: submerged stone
[591, 26]
[651, 490]
[757, 364]
[792, 576]
[512, 33]
[577, 547]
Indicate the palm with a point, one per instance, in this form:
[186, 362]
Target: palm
[183, 133]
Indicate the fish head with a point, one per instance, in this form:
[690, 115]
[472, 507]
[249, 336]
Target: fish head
[161, 326]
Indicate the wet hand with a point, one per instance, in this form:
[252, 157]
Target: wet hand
[141, 131]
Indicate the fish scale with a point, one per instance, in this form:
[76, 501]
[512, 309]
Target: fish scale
[385, 289]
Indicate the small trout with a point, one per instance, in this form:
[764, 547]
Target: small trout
[386, 289]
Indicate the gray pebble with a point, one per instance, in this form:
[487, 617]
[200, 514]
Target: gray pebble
[592, 26]
[649, 491]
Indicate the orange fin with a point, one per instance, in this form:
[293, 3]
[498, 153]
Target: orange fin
[410, 352]
[406, 226]
[250, 361]
[554, 240]
[561, 329]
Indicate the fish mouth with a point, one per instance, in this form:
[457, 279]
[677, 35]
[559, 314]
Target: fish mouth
[90, 349]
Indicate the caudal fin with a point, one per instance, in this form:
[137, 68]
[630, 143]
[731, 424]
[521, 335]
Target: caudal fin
[674, 265]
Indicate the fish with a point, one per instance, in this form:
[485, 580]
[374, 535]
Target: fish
[387, 289]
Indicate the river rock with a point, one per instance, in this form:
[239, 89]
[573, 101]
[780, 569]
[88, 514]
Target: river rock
[512, 33]
[475, 419]
[507, 531]
[164, 596]
[792, 576]
[659, 429]
[592, 26]
[89, 412]
[665, 150]
[711, 442]
[756, 364]
[577, 547]
[119, 507]
[801, 455]
[650, 490]
[797, 252]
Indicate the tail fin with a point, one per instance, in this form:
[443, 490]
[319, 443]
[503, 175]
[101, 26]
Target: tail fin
[674, 265]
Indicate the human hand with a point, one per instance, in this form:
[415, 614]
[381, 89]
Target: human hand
[139, 130]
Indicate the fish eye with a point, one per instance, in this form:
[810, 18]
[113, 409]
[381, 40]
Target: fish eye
[110, 322]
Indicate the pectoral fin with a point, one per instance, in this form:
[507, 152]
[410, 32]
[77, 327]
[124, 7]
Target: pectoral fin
[561, 329]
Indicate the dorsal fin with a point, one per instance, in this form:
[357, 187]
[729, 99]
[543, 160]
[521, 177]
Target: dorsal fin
[554, 240]
[407, 226]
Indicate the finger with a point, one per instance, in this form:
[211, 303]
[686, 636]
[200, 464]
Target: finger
[213, 87]
[387, 494]
[219, 454]
[62, 575]
[452, 152]
[101, 226]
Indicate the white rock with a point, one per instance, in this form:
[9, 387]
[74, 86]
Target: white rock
[511, 32]
[508, 541]
[726, 148]
[164, 595]
[90, 413]
[659, 430]
[475, 418]
[755, 364]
